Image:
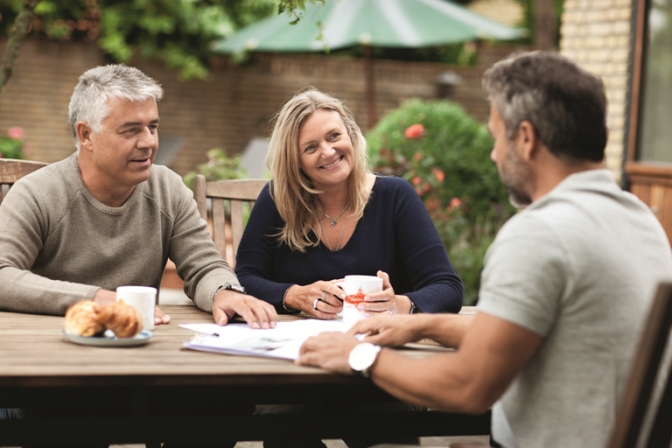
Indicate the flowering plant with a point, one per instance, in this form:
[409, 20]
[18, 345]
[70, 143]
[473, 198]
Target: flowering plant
[11, 145]
[444, 155]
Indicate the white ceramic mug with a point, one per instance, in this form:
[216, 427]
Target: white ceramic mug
[356, 287]
[143, 299]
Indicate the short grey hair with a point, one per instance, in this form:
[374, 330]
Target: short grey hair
[565, 104]
[97, 85]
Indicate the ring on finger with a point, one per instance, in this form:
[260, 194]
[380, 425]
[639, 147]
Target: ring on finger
[390, 311]
[315, 303]
[324, 296]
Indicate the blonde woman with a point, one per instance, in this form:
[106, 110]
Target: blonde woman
[325, 216]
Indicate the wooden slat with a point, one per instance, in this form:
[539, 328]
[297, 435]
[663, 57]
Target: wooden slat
[235, 192]
[244, 189]
[237, 225]
[12, 170]
[219, 225]
[199, 196]
[645, 366]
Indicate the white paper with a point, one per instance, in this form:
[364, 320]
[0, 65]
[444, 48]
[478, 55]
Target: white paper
[283, 341]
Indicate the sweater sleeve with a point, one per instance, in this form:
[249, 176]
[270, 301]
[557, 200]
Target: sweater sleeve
[437, 288]
[257, 251]
[23, 227]
[197, 260]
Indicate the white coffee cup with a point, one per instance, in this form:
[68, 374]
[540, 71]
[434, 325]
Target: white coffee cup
[356, 287]
[143, 299]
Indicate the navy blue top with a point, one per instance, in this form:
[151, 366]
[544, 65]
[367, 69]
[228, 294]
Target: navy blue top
[395, 235]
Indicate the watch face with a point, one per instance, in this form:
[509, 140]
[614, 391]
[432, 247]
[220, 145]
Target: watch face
[234, 287]
[363, 356]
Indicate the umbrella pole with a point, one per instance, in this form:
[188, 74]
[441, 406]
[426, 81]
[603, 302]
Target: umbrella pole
[370, 88]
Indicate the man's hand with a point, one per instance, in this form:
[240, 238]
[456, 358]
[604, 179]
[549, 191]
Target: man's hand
[392, 331]
[257, 313]
[160, 317]
[329, 350]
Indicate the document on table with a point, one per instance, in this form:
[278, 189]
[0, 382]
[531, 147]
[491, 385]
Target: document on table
[283, 341]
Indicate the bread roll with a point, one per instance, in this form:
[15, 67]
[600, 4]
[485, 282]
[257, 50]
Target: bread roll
[82, 319]
[124, 320]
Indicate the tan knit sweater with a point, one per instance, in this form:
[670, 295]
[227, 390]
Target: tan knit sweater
[59, 245]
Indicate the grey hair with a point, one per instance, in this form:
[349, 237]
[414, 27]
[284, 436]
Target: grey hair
[97, 85]
[565, 104]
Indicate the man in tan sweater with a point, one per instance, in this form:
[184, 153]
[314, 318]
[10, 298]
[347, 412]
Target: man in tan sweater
[106, 217]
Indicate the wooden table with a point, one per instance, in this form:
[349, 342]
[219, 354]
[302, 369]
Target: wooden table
[39, 368]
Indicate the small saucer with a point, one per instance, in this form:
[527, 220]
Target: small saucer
[110, 340]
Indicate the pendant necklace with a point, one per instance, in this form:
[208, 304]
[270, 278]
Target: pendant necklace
[340, 238]
[331, 218]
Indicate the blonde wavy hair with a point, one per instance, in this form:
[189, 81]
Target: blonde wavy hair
[293, 192]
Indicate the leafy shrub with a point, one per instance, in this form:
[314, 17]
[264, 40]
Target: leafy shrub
[11, 145]
[218, 167]
[445, 155]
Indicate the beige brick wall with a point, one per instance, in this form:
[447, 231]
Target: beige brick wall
[228, 109]
[596, 34]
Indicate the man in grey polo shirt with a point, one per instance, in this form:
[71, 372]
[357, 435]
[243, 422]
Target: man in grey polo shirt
[566, 283]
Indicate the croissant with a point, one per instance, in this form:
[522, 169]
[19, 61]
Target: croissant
[82, 319]
[124, 320]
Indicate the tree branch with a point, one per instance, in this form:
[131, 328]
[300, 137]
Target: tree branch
[16, 35]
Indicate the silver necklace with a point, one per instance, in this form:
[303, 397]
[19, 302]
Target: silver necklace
[340, 238]
[331, 218]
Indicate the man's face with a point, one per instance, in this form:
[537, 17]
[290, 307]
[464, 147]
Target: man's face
[515, 174]
[124, 150]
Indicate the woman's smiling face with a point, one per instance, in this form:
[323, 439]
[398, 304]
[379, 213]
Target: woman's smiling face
[325, 149]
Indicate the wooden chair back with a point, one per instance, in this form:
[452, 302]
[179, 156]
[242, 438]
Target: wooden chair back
[12, 170]
[223, 221]
[648, 369]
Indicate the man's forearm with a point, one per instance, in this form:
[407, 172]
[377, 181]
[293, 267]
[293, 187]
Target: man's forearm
[446, 329]
[23, 291]
[437, 382]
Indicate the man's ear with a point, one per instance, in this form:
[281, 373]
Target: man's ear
[527, 141]
[84, 132]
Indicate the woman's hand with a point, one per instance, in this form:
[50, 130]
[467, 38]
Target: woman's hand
[385, 301]
[322, 299]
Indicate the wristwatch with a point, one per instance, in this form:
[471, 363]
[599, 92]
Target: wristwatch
[231, 287]
[414, 308]
[362, 358]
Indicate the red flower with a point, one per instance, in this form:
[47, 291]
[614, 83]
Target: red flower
[414, 131]
[416, 180]
[455, 203]
[417, 156]
[440, 175]
[15, 132]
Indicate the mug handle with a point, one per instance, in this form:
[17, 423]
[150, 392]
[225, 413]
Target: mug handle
[342, 286]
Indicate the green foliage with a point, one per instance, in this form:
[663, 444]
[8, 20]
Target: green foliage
[219, 167]
[294, 8]
[178, 32]
[11, 145]
[445, 155]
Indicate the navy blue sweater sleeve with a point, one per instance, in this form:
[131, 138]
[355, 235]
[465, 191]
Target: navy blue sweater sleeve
[436, 286]
[256, 254]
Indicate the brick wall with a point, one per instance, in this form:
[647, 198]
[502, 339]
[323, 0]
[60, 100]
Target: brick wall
[596, 34]
[232, 106]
